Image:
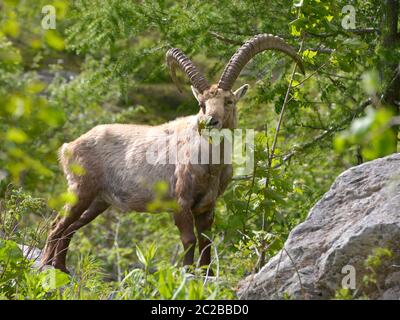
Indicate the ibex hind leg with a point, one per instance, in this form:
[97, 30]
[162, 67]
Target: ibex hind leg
[62, 222]
[97, 207]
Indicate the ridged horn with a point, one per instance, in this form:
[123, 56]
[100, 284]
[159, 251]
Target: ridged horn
[176, 58]
[248, 50]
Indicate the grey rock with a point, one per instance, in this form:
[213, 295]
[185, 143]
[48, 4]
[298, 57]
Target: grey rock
[359, 213]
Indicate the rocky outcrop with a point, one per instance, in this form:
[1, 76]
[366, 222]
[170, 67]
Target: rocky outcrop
[351, 238]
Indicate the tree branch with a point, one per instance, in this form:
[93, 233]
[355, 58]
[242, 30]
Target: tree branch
[390, 22]
[354, 31]
[239, 43]
[224, 39]
[325, 134]
[391, 41]
[297, 150]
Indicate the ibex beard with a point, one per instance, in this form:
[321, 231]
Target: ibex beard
[118, 173]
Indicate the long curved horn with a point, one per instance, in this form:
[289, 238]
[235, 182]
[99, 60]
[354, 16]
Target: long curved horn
[248, 50]
[176, 58]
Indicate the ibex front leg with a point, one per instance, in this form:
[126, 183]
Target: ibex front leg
[184, 219]
[203, 225]
[184, 222]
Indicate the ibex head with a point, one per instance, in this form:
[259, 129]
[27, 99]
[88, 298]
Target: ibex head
[218, 101]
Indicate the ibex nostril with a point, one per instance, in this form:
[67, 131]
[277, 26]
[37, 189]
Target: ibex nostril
[212, 122]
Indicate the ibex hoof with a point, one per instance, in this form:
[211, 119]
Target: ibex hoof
[62, 268]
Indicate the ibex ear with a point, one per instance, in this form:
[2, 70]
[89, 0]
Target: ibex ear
[241, 91]
[196, 93]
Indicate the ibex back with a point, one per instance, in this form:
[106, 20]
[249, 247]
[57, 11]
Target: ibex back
[117, 171]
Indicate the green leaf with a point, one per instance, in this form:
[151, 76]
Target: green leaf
[370, 82]
[77, 169]
[294, 31]
[64, 198]
[310, 54]
[53, 117]
[10, 251]
[11, 27]
[52, 279]
[54, 40]
[16, 135]
[361, 126]
[141, 256]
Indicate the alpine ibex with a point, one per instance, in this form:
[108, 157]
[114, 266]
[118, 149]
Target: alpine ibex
[113, 157]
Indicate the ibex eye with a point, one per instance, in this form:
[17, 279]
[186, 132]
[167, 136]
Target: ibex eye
[229, 101]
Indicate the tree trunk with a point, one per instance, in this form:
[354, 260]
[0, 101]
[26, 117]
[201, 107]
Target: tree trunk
[389, 62]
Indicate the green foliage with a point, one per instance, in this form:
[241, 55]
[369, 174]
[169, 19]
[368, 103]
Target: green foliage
[374, 262]
[343, 294]
[372, 132]
[168, 282]
[19, 281]
[11, 261]
[378, 264]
